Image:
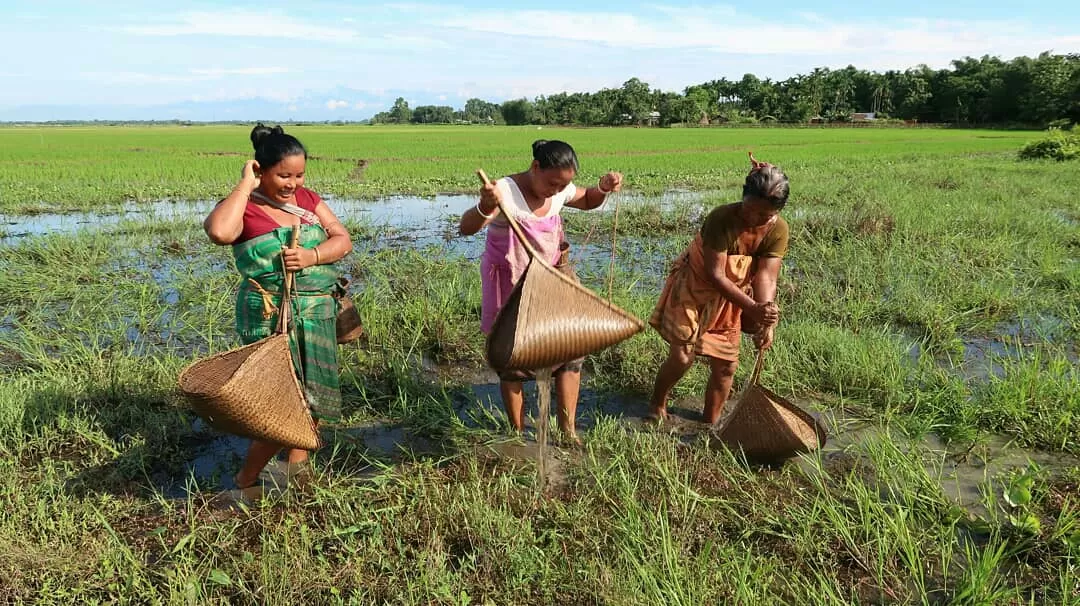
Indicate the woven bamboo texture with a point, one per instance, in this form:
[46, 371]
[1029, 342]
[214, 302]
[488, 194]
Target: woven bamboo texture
[253, 391]
[550, 319]
[766, 426]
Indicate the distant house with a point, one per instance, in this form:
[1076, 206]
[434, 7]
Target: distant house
[863, 117]
[653, 118]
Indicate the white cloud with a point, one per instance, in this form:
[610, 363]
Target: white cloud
[413, 42]
[192, 75]
[218, 72]
[336, 104]
[359, 105]
[242, 24]
[723, 30]
[233, 92]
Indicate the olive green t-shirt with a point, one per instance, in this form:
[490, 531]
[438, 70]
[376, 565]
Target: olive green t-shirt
[723, 225]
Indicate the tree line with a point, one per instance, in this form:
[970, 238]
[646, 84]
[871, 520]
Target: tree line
[1039, 91]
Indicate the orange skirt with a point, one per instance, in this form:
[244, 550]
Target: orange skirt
[692, 313]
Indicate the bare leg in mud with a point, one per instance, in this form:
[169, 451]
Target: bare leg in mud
[513, 397]
[719, 388]
[567, 390]
[679, 360]
[259, 454]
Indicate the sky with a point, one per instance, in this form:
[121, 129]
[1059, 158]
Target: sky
[337, 60]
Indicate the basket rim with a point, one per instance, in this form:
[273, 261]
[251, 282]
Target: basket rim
[819, 428]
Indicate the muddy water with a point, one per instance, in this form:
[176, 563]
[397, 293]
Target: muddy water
[964, 473]
[984, 356]
[217, 456]
[429, 220]
[395, 222]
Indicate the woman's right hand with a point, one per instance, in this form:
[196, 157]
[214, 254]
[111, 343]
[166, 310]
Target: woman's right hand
[249, 176]
[763, 314]
[489, 198]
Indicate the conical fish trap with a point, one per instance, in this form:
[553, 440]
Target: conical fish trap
[766, 426]
[550, 319]
[252, 391]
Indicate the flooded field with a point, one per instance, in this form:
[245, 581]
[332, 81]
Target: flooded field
[939, 349]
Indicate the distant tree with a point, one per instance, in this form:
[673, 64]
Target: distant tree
[517, 111]
[433, 114]
[478, 110]
[634, 101]
[400, 112]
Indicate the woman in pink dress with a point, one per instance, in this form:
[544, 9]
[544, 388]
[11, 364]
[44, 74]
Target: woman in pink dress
[535, 197]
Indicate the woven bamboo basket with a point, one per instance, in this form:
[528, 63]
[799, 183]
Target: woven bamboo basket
[253, 391]
[550, 319]
[767, 427]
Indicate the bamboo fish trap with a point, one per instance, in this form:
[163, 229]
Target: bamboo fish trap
[766, 426]
[550, 319]
[253, 391]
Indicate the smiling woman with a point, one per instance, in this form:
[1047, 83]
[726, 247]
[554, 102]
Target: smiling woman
[257, 219]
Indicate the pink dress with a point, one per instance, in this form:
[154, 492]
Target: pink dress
[505, 259]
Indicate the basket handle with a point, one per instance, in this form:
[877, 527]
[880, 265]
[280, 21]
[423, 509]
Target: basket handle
[757, 367]
[510, 219]
[286, 292]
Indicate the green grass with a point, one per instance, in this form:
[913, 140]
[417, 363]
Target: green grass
[937, 239]
[85, 167]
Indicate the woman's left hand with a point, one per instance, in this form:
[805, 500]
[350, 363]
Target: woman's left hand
[611, 182]
[296, 259]
[764, 338]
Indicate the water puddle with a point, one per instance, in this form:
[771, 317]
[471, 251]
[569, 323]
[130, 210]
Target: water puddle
[386, 441]
[216, 457]
[15, 227]
[518, 451]
[965, 476]
[411, 219]
[478, 402]
[984, 356]
[1067, 218]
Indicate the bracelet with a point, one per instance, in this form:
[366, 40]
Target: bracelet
[318, 260]
[602, 190]
[488, 217]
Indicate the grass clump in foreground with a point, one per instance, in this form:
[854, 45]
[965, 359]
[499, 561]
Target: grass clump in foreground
[90, 429]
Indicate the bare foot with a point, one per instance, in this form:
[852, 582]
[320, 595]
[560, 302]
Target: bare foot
[657, 416]
[248, 495]
[569, 439]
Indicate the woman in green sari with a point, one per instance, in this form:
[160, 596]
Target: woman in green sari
[257, 220]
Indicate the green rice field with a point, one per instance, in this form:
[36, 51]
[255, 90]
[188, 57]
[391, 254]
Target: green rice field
[930, 313]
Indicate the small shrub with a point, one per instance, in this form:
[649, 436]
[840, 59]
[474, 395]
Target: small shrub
[1057, 145]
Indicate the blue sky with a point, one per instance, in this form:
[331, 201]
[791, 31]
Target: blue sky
[346, 60]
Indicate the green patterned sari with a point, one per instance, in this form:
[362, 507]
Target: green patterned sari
[314, 312]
